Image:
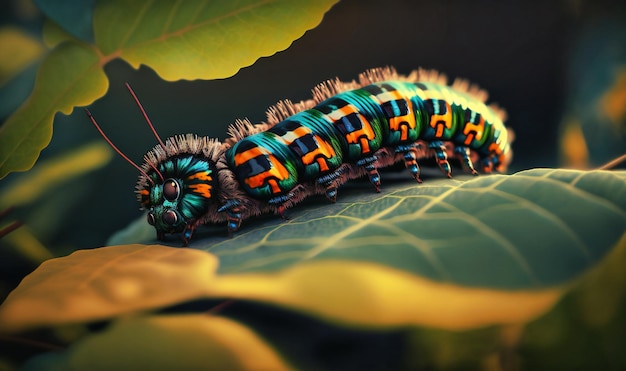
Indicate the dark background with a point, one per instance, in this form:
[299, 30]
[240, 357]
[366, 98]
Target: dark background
[536, 59]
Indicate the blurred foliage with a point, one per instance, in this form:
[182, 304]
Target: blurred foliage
[563, 62]
[18, 51]
[41, 198]
[587, 329]
[594, 124]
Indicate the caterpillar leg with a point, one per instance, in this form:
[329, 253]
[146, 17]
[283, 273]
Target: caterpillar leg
[487, 165]
[233, 216]
[281, 211]
[409, 153]
[331, 191]
[372, 172]
[329, 181]
[282, 201]
[463, 153]
[188, 232]
[441, 156]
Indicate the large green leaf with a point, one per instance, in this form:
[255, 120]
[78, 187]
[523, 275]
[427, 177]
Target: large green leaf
[490, 250]
[536, 228]
[179, 40]
[533, 229]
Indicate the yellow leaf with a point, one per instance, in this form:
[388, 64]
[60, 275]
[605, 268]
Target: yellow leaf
[369, 294]
[96, 284]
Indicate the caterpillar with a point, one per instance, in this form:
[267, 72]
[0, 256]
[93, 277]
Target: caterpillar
[347, 130]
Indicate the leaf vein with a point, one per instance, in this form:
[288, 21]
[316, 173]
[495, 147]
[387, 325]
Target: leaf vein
[328, 243]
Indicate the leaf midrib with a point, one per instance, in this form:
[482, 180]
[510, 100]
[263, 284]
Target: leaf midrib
[182, 31]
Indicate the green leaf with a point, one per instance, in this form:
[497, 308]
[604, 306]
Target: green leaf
[201, 39]
[70, 76]
[534, 229]
[182, 342]
[491, 250]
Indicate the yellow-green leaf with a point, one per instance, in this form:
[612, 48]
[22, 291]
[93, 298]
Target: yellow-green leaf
[201, 39]
[101, 283]
[70, 76]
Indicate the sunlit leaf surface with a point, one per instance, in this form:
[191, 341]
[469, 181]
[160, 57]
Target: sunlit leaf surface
[100, 283]
[201, 39]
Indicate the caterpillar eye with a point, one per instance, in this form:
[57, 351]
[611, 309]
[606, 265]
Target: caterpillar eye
[151, 219]
[170, 217]
[171, 190]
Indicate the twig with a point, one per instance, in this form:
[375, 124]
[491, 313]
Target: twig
[30, 342]
[10, 228]
[219, 307]
[611, 164]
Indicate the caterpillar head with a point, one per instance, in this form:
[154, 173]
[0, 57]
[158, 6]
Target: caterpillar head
[178, 183]
[177, 180]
